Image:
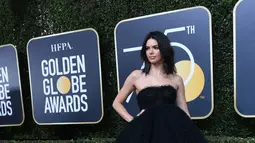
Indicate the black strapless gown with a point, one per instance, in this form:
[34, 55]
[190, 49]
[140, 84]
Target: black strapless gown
[162, 121]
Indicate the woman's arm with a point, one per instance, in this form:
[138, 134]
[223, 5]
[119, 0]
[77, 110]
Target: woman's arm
[128, 87]
[181, 100]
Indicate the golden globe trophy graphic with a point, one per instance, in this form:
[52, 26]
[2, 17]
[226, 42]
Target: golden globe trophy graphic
[191, 38]
[63, 85]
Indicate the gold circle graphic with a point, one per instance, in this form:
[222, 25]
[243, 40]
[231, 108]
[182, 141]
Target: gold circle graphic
[196, 84]
[63, 85]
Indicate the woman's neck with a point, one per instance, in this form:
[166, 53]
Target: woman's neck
[157, 70]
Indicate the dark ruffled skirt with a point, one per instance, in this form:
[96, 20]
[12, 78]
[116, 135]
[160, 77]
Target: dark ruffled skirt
[161, 124]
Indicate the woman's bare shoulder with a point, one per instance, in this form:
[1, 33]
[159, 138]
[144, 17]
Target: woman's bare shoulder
[135, 74]
[177, 79]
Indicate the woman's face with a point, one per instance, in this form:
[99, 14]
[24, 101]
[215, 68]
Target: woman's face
[152, 51]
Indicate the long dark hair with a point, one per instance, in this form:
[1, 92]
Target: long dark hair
[165, 49]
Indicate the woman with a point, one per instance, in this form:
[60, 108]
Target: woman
[164, 116]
